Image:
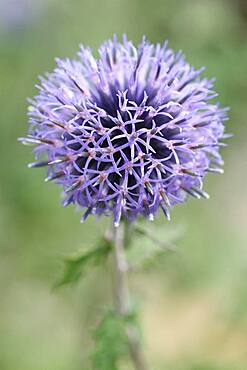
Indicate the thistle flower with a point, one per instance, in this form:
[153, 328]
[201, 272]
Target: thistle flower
[129, 132]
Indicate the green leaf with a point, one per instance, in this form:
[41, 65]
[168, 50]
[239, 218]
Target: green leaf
[149, 242]
[111, 343]
[76, 265]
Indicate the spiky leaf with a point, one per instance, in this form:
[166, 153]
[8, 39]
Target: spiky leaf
[76, 265]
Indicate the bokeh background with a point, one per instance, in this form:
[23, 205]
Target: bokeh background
[194, 301]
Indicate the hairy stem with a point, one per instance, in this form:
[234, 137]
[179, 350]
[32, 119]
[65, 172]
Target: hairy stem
[122, 299]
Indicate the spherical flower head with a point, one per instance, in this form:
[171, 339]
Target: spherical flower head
[129, 132]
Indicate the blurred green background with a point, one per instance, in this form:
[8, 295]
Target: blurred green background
[194, 302]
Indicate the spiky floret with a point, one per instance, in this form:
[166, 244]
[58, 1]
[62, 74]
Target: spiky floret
[129, 132]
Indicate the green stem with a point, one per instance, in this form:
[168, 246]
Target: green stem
[122, 297]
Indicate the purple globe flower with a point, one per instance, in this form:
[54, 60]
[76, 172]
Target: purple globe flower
[129, 132]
